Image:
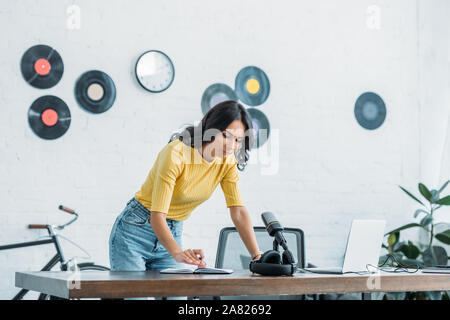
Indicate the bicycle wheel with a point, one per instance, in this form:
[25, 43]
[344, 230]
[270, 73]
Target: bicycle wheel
[81, 267]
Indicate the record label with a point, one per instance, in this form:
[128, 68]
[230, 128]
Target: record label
[252, 86]
[95, 92]
[49, 117]
[42, 67]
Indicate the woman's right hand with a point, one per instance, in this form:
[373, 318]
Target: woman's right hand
[190, 256]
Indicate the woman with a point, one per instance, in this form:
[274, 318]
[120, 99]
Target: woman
[147, 234]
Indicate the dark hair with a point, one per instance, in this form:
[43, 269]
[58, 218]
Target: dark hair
[219, 117]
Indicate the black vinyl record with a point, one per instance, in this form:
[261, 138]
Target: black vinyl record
[261, 127]
[42, 66]
[252, 86]
[49, 117]
[370, 110]
[95, 91]
[215, 94]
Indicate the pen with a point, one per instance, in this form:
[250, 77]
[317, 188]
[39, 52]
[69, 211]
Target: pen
[202, 263]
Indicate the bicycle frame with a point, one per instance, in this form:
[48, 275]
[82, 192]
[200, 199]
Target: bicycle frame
[59, 257]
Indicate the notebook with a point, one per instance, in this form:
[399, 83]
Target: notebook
[198, 271]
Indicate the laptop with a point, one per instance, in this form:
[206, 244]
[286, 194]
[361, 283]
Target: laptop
[363, 247]
[436, 269]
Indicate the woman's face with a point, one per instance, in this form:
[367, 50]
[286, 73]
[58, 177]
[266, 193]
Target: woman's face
[228, 141]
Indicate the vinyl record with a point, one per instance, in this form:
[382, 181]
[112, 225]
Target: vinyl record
[95, 91]
[252, 86]
[42, 66]
[215, 94]
[261, 127]
[370, 110]
[49, 117]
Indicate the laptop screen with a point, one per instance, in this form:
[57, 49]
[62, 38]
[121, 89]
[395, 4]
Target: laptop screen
[363, 245]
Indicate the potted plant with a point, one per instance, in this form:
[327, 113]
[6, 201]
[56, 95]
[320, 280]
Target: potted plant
[418, 254]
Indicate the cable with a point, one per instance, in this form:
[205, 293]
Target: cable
[398, 269]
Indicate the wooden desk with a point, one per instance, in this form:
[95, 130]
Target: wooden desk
[121, 284]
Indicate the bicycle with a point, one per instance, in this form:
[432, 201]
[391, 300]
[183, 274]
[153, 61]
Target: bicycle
[59, 257]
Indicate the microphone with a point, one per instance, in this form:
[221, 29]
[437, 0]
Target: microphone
[274, 228]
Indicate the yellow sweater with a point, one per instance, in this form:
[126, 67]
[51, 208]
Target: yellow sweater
[181, 179]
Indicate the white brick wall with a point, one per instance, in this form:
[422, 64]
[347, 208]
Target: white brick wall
[319, 58]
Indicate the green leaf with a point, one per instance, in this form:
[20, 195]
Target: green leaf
[393, 239]
[434, 196]
[444, 201]
[419, 211]
[426, 220]
[407, 226]
[443, 186]
[411, 195]
[435, 255]
[397, 245]
[444, 236]
[410, 250]
[424, 191]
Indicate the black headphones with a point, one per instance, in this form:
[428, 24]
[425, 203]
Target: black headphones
[272, 263]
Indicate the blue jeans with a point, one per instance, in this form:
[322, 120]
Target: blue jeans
[133, 246]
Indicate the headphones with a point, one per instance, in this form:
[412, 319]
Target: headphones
[272, 263]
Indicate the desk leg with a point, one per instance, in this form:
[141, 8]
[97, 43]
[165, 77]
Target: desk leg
[366, 296]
